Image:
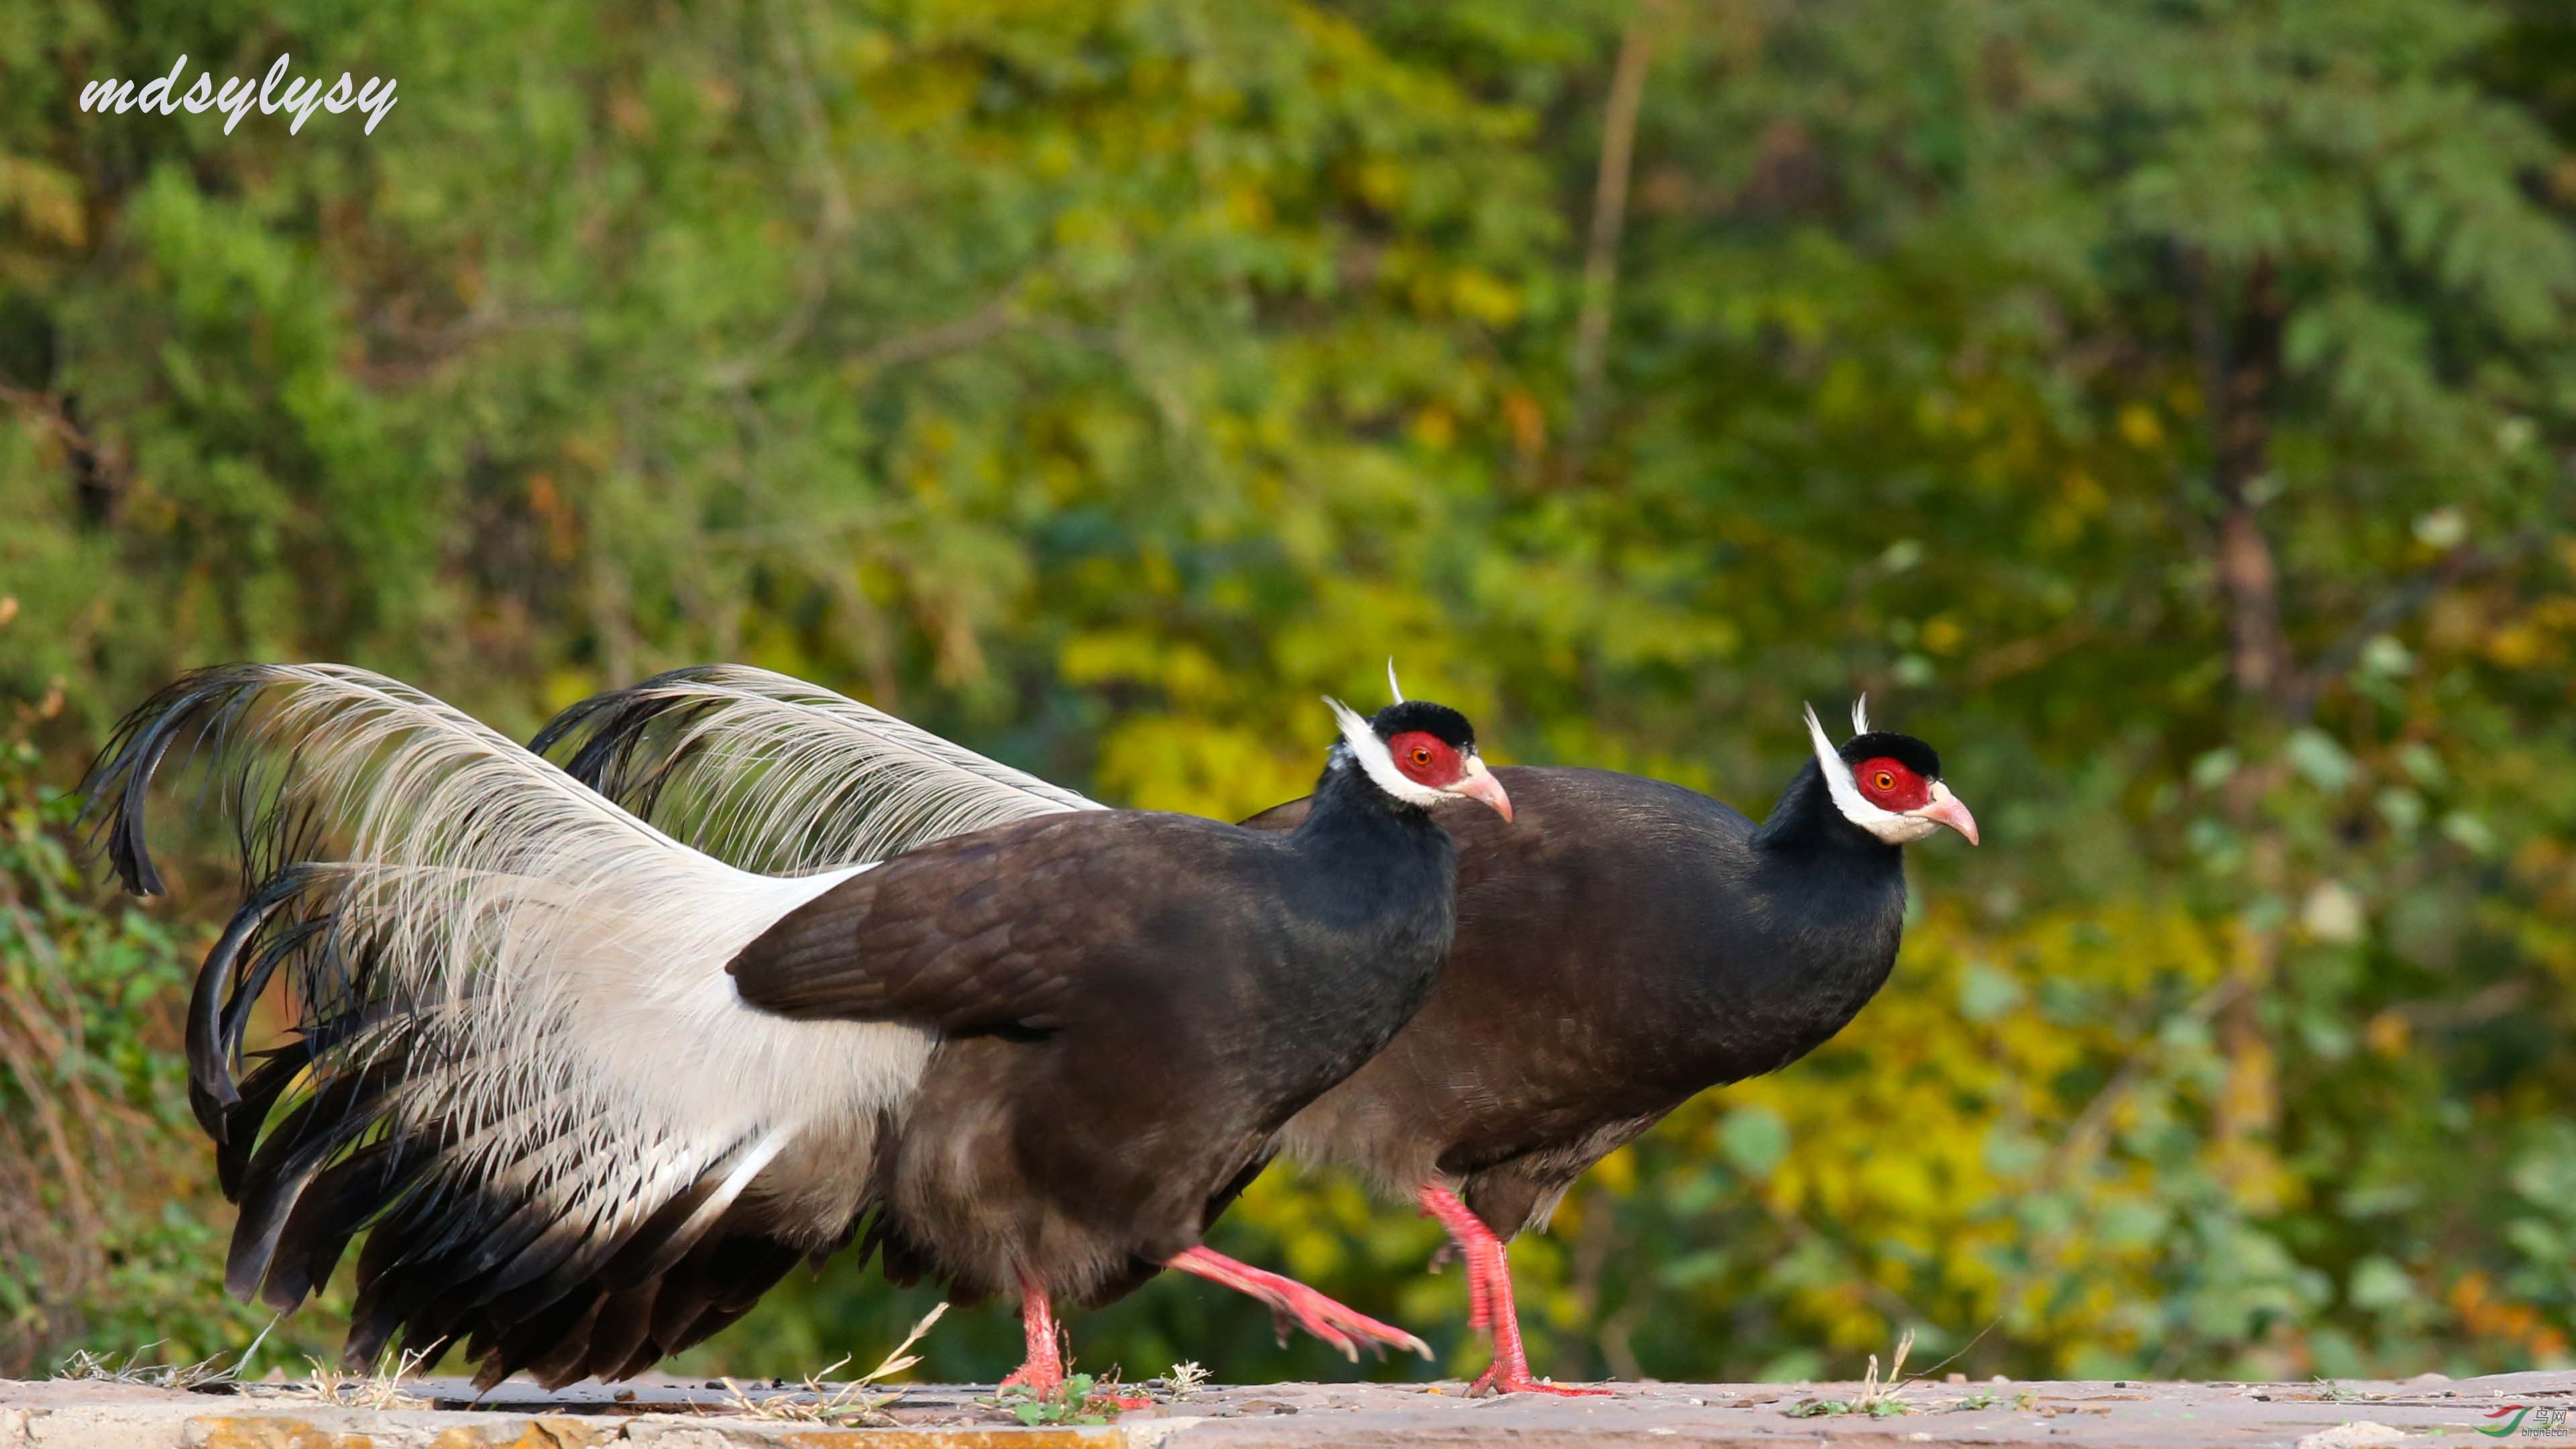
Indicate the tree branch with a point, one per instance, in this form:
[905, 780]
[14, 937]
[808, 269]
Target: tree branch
[2464, 562]
[2246, 372]
[972, 330]
[46, 409]
[832, 228]
[1609, 220]
[98, 476]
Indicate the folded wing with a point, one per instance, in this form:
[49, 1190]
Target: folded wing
[997, 932]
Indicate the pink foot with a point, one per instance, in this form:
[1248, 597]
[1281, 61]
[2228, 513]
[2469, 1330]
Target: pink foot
[1040, 1380]
[1292, 1302]
[1043, 1373]
[1492, 1381]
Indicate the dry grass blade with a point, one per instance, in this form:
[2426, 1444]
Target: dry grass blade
[1873, 1393]
[327, 1385]
[86, 1364]
[846, 1404]
[1877, 1398]
[903, 1357]
[98, 1367]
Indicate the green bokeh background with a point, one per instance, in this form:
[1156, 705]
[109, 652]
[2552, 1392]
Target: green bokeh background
[2165, 407]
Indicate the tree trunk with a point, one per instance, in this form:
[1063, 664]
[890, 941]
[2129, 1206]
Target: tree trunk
[2248, 382]
[2241, 367]
[1609, 221]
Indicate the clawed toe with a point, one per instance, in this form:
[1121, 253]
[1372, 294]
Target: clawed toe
[1492, 1383]
[1293, 1303]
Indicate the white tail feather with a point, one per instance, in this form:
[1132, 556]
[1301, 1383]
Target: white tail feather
[779, 775]
[549, 968]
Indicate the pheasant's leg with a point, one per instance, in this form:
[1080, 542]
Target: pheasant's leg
[1489, 1290]
[1471, 1235]
[1292, 1302]
[1043, 1373]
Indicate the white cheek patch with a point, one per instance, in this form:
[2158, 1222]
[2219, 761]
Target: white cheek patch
[1900, 829]
[1887, 825]
[1371, 752]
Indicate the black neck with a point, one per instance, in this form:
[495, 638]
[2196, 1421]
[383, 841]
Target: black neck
[1346, 798]
[1381, 869]
[1806, 820]
[1822, 908]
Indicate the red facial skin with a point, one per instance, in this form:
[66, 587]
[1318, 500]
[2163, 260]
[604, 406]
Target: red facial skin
[1890, 786]
[1426, 761]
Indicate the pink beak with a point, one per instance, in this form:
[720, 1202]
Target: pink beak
[1948, 809]
[1480, 784]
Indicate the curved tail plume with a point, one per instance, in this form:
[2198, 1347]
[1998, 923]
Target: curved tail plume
[775, 774]
[516, 1060]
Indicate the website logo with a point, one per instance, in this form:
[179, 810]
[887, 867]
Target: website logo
[2538, 1418]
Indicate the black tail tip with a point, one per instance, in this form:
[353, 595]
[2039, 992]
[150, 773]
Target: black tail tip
[120, 779]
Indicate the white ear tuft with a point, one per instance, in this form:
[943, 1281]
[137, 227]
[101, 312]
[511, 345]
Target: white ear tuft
[1837, 774]
[1860, 715]
[1392, 687]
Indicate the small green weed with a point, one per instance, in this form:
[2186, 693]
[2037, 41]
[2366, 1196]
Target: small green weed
[1877, 1409]
[1081, 1399]
[1877, 1400]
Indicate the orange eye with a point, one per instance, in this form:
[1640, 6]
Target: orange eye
[1421, 756]
[1883, 780]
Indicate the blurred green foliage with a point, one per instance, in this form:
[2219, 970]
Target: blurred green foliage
[107, 1235]
[2165, 407]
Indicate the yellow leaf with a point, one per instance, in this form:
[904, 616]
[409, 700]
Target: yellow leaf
[2138, 424]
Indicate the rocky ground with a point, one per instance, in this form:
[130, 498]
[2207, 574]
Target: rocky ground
[442, 1414]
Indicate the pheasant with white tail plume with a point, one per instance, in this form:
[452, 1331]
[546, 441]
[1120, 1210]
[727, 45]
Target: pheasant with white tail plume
[589, 1092]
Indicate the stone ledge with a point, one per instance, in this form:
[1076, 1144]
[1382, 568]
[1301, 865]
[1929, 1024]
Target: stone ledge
[2430, 1413]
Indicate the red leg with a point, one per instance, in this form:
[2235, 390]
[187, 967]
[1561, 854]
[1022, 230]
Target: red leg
[1471, 1235]
[1293, 1302]
[1489, 1291]
[1043, 1373]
